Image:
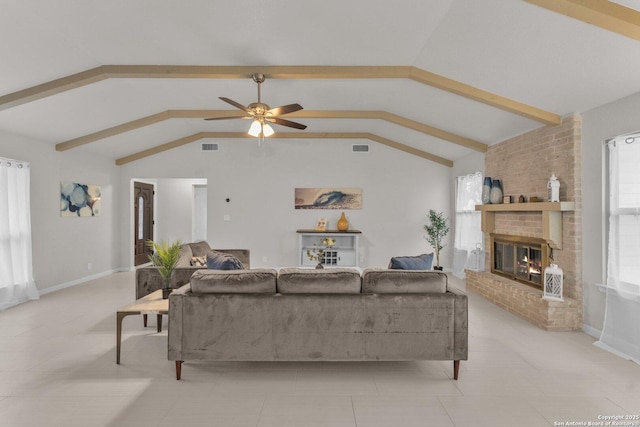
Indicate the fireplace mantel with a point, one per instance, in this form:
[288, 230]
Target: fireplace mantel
[551, 217]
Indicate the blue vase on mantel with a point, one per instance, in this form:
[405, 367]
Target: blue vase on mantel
[496, 192]
[486, 190]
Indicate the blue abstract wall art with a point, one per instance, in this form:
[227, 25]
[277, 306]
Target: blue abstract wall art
[79, 199]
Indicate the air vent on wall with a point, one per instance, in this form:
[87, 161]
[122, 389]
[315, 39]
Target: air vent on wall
[360, 148]
[209, 146]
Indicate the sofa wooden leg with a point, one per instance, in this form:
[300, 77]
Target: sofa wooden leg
[178, 369]
[456, 369]
[144, 320]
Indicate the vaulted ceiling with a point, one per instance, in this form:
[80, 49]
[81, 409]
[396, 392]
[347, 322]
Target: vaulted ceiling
[435, 78]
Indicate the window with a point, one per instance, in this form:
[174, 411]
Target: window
[620, 331]
[623, 269]
[16, 273]
[468, 235]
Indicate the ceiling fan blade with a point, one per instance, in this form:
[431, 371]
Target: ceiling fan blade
[236, 104]
[284, 109]
[225, 118]
[284, 122]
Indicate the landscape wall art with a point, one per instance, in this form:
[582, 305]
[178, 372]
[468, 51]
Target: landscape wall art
[328, 198]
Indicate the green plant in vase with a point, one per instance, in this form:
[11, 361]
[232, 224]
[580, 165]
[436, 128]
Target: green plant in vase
[165, 257]
[436, 230]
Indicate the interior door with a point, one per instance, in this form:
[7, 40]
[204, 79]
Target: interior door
[143, 220]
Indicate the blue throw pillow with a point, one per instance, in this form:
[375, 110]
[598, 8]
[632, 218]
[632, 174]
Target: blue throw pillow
[420, 262]
[222, 261]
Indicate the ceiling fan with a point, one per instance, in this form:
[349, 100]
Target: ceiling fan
[262, 114]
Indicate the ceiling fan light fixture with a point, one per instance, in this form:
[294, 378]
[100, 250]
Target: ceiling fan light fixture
[267, 130]
[262, 113]
[259, 129]
[256, 128]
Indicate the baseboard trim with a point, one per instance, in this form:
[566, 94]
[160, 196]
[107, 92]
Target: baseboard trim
[81, 280]
[589, 330]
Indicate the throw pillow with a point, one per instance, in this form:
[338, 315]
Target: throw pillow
[420, 262]
[199, 261]
[222, 261]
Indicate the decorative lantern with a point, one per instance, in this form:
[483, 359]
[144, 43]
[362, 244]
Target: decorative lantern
[476, 259]
[553, 283]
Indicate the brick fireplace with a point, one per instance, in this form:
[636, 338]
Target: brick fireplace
[524, 165]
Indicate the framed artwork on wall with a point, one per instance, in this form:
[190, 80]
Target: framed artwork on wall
[79, 199]
[328, 198]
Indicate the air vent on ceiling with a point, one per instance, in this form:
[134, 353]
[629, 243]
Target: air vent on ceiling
[360, 148]
[208, 146]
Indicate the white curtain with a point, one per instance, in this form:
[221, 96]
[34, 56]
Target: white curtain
[468, 234]
[16, 271]
[621, 329]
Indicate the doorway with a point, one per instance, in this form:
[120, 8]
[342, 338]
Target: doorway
[143, 221]
[199, 213]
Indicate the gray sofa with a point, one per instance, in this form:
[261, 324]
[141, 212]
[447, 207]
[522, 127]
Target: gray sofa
[318, 315]
[149, 280]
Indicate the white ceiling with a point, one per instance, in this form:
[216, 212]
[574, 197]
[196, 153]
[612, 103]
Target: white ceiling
[508, 47]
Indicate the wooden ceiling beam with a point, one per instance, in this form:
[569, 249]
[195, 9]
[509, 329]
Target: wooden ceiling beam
[313, 114]
[277, 72]
[284, 135]
[601, 13]
[52, 87]
[396, 119]
[139, 123]
[485, 97]
[112, 131]
[245, 71]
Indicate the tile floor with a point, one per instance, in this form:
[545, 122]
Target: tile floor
[57, 368]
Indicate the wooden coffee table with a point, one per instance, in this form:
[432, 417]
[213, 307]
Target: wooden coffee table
[149, 304]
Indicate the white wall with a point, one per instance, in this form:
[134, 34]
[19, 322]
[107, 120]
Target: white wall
[63, 247]
[174, 209]
[398, 190]
[474, 162]
[598, 125]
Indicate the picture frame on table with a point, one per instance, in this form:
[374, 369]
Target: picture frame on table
[321, 224]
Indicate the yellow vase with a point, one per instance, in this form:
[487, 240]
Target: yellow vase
[343, 224]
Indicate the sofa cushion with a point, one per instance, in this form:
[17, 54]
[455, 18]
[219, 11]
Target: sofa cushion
[320, 281]
[185, 256]
[234, 281]
[420, 262]
[222, 261]
[200, 248]
[381, 281]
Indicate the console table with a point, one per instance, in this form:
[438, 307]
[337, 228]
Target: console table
[343, 254]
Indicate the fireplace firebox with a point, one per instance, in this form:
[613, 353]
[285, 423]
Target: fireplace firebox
[519, 258]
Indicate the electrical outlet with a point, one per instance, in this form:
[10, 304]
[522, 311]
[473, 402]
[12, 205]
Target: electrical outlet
[89, 266]
[227, 217]
[264, 259]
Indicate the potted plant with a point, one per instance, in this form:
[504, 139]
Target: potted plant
[436, 230]
[317, 253]
[165, 257]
